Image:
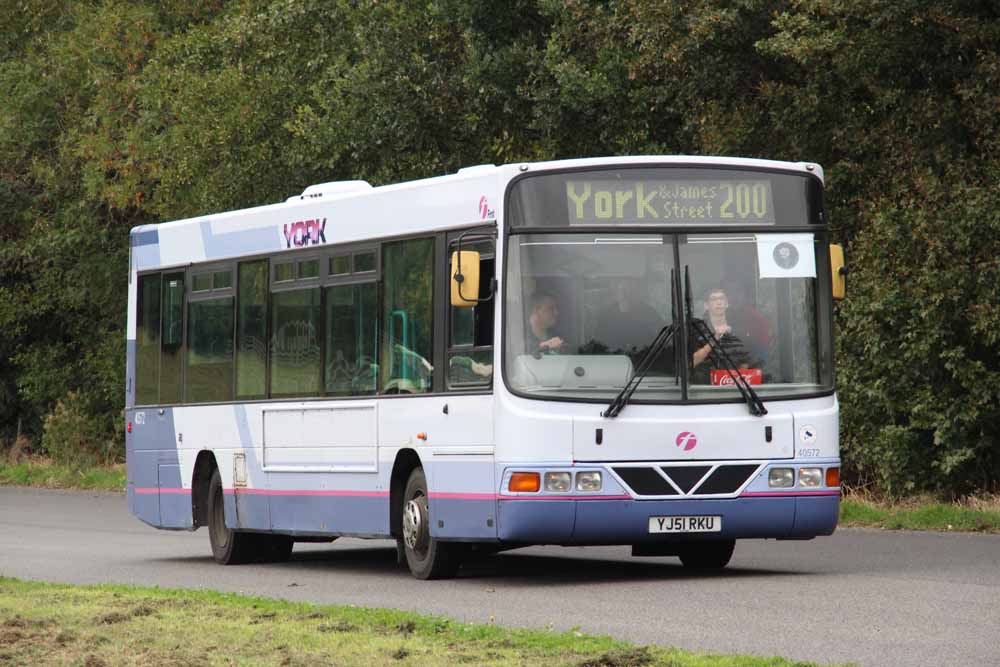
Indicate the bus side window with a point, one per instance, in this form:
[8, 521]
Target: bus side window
[351, 342]
[208, 376]
[147, 341]
[251, 330]
[470, 336]
[407, 334]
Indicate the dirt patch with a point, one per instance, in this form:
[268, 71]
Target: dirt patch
[65, 637]
[112, 618]
[630, 657]
[142, 611]
[339, 626]
[120, 617]
[94, 661]
[11, 637]
[406, 627]
[260, 618]
[400, 653]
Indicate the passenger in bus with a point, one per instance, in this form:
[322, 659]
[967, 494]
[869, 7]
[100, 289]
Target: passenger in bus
[472, 368]
[627, 324]
[539, 338]
[749, 324]
[704, 358]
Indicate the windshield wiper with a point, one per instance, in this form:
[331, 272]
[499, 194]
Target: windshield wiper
[702, 331]
[619, 402]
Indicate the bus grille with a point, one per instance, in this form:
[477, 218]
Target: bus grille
[702, 480]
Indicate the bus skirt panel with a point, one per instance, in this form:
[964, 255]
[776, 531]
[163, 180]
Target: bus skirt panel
[625, 521]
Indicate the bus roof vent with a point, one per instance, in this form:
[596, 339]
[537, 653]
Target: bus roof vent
[477, 168]
[329, 189]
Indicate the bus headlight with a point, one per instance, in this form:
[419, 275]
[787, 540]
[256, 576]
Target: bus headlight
[781, 478]
[557, 481]
[588, 481]
[810, 477]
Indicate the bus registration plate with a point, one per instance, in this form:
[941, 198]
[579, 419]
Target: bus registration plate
[685, 524]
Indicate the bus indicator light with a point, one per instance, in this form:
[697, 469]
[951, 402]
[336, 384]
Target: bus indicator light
[833, 476]
[524, 482]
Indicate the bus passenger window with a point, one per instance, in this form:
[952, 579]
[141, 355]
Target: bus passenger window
[295, 343]
[172, 337]
[251, 330]
[351, 362]
[147, 341]
[407, 317]
[210, 350]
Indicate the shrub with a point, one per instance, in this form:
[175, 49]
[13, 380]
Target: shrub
[77, 435]
[919, 373]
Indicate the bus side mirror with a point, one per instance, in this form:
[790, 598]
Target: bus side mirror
[838, 271]
[464, 278]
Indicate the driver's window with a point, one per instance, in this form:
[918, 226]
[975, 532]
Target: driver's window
[470, 335]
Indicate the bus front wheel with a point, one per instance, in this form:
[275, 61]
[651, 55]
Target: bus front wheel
[426, 557]
[707, 555]
[233, 547]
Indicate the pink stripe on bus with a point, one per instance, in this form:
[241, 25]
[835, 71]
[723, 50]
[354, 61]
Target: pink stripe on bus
[566, 497]
[305, 492]
[789, 494]
[146, 491]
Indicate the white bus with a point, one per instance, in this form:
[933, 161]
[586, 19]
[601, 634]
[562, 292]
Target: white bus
[632, 351]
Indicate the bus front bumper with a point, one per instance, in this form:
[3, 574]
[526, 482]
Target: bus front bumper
[627, 521]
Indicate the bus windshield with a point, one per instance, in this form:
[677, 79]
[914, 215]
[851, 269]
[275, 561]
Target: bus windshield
[583, 307]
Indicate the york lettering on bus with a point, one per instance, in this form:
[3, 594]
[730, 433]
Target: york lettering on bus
[610, 204]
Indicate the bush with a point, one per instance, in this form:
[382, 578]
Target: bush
[76, 435]
[919, 373]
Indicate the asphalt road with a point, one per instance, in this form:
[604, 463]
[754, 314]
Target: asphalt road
[876, 598]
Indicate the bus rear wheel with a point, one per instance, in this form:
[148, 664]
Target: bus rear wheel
[426, 557]
[233, 547]
[708, 555]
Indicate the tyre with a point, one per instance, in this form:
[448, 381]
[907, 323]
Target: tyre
[709, 555]
[233, 547]
[426, 557]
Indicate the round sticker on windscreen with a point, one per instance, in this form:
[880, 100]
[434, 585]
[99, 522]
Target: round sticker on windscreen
[786, 255]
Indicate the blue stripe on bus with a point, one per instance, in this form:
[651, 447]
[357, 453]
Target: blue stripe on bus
[239, 242]
[145, 237]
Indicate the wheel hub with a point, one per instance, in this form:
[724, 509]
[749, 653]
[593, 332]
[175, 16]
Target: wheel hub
[413, 525]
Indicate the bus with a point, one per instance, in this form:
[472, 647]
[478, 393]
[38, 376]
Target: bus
[606, 351]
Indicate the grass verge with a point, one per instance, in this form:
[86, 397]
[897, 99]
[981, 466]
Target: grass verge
[100, 626]
[44, 473]
[973, 515]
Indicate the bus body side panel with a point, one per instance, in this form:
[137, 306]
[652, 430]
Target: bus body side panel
[156, 492]
[456, 452]
[462, 497]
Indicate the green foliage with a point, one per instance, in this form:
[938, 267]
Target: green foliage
[76, 435]
[123, 113]
[919, 340]
[42, 473]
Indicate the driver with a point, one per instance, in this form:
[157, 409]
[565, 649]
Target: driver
[716, 305]
[544, 316]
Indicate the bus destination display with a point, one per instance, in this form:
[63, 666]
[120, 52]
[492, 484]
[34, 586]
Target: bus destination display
[648, 202]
